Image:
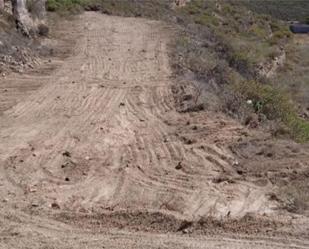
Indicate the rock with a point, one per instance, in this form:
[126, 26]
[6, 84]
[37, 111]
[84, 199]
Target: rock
[239, 172]
[32, 190]
[66, 153]
[178, 166]
[185, 231]
[1, 5]
[30, 24]
[249, 102]
[55, 205]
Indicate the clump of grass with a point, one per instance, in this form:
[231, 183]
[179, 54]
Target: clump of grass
[65, 5]
[206, 19]
[266, 99]
[151, 9]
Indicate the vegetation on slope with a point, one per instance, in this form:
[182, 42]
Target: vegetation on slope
[296, 10]
[242, 43]
[154, 8]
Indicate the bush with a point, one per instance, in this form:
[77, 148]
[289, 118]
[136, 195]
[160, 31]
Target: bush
[275, 105]
[66, 5]
[206, 19]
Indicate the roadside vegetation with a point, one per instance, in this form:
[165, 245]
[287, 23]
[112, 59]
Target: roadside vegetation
[154, 8]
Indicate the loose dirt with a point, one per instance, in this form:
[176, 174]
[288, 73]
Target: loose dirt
[94, 154]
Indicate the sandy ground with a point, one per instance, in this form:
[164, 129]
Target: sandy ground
[95, 155]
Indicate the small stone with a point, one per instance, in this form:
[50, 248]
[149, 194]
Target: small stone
[179, 166]
[239, 172]
[55, 205]
[185, 231]
[235, 163]
[67, 179]
[66, 153]
[32, 189]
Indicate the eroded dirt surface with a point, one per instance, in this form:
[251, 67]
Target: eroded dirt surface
[95, 155]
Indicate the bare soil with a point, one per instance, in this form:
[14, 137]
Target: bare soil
[94, 153]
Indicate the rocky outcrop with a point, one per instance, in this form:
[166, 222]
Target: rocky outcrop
[22, 17]
[1, 5]
[270, 68]
[29, 22]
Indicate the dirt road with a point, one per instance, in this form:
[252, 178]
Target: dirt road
[96, 150]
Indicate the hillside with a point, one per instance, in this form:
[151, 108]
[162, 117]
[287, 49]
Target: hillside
[154, 124]
[296, 10]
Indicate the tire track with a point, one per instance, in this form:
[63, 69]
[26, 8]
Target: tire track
[102, 133]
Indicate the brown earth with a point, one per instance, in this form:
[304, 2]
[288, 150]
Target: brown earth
[94, 154]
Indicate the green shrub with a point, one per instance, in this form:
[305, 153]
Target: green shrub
[206, 19]
[275, 105]
[65, 5]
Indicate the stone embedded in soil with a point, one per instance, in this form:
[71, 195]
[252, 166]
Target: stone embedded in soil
[55, 205]
[66, 153]
[179, 166]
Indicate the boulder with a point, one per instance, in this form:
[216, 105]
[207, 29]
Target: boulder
[1, 5]
[29, 15]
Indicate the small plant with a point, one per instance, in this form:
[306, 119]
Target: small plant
[206, 19]
[275, 105]
[65, 5]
